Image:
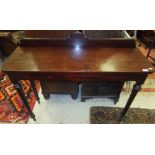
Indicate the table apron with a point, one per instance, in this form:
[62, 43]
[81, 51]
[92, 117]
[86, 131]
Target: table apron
[77, 77]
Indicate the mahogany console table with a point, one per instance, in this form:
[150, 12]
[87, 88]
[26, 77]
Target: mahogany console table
[77, 59]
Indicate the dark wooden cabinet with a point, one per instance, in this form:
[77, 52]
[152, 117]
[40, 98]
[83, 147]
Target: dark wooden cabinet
[59, 87]
[9, 41]
[107, 89]
[6, 45]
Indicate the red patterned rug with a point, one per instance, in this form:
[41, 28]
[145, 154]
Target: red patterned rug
[12, 109]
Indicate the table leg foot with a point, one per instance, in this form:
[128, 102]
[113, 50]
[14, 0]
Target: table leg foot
[74, 96]
[46, 96]
[33, 118]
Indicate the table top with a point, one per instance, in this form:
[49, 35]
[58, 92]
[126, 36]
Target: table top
[86, 59]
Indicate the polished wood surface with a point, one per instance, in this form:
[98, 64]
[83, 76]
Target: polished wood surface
[48, 59]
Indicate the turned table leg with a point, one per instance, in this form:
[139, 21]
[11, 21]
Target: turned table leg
[133, 94]
[35, 90]
[22, 95]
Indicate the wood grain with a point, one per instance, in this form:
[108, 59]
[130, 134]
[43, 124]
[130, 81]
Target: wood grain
[92, 60]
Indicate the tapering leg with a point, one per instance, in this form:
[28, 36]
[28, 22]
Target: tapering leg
[134, 92]
[22, 95]
[35, 90]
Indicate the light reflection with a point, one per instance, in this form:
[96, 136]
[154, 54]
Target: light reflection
[77, 47]
[108, 66]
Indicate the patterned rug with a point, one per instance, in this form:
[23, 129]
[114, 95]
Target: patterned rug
[12, 109]
[111, 115]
